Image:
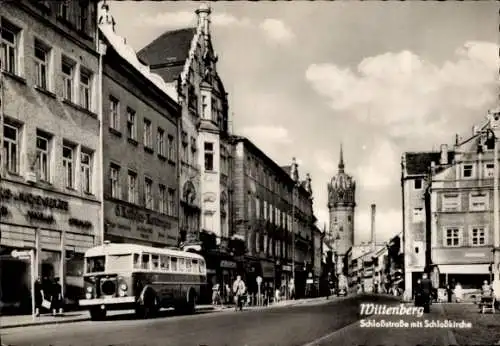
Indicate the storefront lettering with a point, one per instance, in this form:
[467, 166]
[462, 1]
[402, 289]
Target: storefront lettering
[34, 200]
[136, 215]
[39, 216]
[80, 223]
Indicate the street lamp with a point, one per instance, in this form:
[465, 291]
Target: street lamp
[294, 192]
[493, 128]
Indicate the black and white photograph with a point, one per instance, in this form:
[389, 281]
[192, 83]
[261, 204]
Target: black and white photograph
[249, 173]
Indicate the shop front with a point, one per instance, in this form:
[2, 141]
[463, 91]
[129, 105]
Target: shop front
[128, 223]
[59, 227]
[286, 278]
[268, 277]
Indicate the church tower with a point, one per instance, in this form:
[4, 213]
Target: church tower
[341, 204]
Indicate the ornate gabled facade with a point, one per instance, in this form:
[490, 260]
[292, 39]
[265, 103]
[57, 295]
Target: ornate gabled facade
[186, 60]
[341, 204]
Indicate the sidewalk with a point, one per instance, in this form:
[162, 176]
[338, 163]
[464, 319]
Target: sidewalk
[78, 316]
[485, 327]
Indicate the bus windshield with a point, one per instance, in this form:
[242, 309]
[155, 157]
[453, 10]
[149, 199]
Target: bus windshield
[118, 263]
[95, 264]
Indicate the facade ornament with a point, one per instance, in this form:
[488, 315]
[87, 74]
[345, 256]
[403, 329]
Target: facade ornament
[294, 170]
[105, 17]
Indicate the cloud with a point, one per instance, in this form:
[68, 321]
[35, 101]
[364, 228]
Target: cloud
[380, 168]
[276, 30]
[324, 162]
[408, 96]
[182, 19]
[387, 223]
[268, 134]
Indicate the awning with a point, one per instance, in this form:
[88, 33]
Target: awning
[464, 268]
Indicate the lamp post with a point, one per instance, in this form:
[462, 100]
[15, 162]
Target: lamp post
[493, 119]
[294, 191]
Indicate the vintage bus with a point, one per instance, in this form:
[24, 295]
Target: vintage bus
[129, 276]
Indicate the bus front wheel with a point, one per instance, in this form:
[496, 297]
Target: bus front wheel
[97, 314]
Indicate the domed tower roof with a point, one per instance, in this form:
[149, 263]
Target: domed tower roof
[342, 187]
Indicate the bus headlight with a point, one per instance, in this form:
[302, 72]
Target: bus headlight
[122, 293]
[123, 287]
[89, 289]
[88, 295]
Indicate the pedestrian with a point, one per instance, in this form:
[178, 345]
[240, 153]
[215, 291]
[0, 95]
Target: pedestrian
[291, 288]
[38, 296]
[57, 300]
[449, 292]
[47, 288]
[277, 295]
[239, 290]
[215, 294]
[459, 293]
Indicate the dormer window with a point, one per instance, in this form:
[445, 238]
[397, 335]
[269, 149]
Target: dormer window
[468, 171]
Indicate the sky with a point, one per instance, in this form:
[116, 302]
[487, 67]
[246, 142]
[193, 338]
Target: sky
[382, 78]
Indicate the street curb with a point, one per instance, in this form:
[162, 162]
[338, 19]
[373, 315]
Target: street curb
[80, 319]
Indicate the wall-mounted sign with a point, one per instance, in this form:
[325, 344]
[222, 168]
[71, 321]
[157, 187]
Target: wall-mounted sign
[228, 264]
[33, 200]
[134, 214]
[40, 216]
[80, 223]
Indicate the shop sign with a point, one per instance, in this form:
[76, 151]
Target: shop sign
[227, 264]
[133, 214]
[33, 200]
[34, 215]
[287, 268]
[80, 223]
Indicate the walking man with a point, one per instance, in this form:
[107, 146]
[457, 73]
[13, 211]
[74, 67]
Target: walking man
[239, 290]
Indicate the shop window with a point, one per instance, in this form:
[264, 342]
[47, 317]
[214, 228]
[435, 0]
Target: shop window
[51, 264]
[74, 265]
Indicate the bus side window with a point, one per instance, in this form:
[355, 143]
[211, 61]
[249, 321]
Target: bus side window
[165, 262]
[173, 263]
[155, 262]
[137, 261]
[182, 265]
[202, 266]
[196, 267]
[189, 267]
[145, 261]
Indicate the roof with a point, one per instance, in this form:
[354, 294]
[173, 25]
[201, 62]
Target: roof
[125, 51]
[122, 249]
[287, 169]
[168, 52]
[418, 163]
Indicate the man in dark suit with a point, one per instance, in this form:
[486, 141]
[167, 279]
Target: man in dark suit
[426, 291]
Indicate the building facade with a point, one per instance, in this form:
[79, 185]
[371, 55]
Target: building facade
[461, 215]
[266, 200]
[415, 169]
[140, 141]
[50, 183]
[341, 207]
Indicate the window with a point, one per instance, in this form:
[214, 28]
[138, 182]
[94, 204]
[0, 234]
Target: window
[171, 202]
[489, 170]
[257, 208]
[86, 172]
[478, 236]
[114, 113]
[467, 171]
[160, 142]
[114, 177]
[265, 210]
[418, 215]
[63, 9]
[173, 263]
[43, 156]
[165, 262]
[209, 156]
[171, 148]
[417, 184]
[11, 148]
[68, 166]
[67, 68]
[451, 202]
[162, 202]
[148, 134]
[452, 237]
[194, 148]
[148, 193]
[9, 45]
[479, 201]
[85, 90]
[131, 124]
[83, 16]
[41, 64]
[132, 187]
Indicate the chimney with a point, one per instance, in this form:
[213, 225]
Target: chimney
[444, 155]
[373, 239]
